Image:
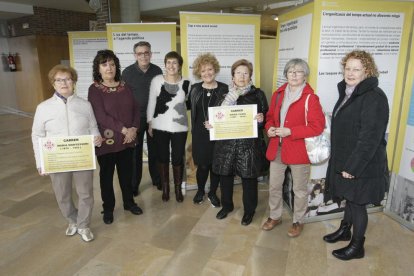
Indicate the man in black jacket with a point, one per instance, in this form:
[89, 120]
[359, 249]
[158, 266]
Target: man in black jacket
[138, 76]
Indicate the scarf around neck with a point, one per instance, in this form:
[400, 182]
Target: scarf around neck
[235, 92]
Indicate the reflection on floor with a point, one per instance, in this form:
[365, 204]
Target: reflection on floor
[169, 238]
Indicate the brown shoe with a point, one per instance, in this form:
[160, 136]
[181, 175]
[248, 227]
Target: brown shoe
[271, 223]
[295, 230]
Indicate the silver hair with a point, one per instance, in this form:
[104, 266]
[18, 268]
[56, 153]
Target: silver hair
[294, 62]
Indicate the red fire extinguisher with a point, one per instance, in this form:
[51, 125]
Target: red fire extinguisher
[12, 62]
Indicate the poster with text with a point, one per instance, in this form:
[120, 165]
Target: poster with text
[378, 33]
[294, 42]
[82, 50]
[229, 37]
[122, 37]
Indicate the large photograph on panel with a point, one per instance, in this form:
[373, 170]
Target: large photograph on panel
[229, 37]
[400, 204]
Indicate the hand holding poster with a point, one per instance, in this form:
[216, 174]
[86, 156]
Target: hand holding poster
[233, 122]
[65, 154]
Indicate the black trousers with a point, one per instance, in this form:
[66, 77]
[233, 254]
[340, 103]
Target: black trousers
[152, 157]
[163, 140]
[202, 175]
[250, 193]
[357, 215]
[122, 160]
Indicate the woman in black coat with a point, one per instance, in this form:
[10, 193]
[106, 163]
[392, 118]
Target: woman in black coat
[203, 95]
[357, 170]
[241, 157]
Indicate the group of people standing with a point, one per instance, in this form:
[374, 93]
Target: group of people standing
[122, 107]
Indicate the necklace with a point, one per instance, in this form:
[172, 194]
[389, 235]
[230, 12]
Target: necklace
[208, 93]
[209, 90]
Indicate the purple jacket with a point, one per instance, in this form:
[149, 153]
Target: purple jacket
[114, 109]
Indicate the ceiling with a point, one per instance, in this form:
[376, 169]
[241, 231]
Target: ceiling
[164, 10]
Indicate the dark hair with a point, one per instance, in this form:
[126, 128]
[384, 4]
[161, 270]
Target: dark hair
[174, 55]
[316, 187]
[101, 57]
[62, 69]
[142, 44]
[242, 62]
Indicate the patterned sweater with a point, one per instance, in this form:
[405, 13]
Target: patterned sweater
[167, 109]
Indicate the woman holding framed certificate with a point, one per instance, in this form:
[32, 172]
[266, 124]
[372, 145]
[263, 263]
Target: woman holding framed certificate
[65, 114]
[241, 156]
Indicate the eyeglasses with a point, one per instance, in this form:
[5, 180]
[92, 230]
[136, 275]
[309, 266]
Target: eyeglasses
[353, 70]
[143, 54]
[296, 73]
[61, 81]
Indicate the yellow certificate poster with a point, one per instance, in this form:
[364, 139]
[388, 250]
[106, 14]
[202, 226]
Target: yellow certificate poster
[233, 122]
[65, 154]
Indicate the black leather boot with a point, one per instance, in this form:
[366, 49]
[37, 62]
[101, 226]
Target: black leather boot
[178, 179]
[354, 250]
[164, 171]
[342, 234]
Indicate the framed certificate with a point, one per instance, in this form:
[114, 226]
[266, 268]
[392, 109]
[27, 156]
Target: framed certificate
[233, 122]
[67, 153]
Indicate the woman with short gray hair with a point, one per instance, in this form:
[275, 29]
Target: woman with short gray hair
[287, 129]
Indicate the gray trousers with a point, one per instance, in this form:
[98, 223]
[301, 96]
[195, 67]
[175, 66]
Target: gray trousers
[62, 186]
[300, 177]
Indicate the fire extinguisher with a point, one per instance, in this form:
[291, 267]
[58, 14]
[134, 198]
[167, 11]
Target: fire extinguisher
[12, 62]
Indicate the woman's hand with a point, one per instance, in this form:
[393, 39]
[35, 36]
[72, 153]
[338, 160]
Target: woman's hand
[150, 129]
[39, 170]
[130, 135]
[283, 131]
[259, 117]
[97, 140]
[347, 175]
[207, 125]
[271, 132]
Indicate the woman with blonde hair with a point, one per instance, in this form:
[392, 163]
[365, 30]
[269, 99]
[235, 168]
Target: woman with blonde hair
[203, 95]
[358, 169]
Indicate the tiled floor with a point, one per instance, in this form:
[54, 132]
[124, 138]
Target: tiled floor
[169, 238]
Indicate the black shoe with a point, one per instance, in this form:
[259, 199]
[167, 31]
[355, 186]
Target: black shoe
[354, 250]
[108, 217]
[133, 209]
[342, 234]
[214, 200]
[199, 197]
[247, 218]
[223, 213]
[135, 193]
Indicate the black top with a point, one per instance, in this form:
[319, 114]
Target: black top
[200, 99]
[358, 144]
[140, 82]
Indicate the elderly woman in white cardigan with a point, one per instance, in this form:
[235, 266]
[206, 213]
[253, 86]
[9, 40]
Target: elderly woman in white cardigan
[65, 114]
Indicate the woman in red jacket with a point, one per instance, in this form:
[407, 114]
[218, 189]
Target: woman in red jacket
[287, 129]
